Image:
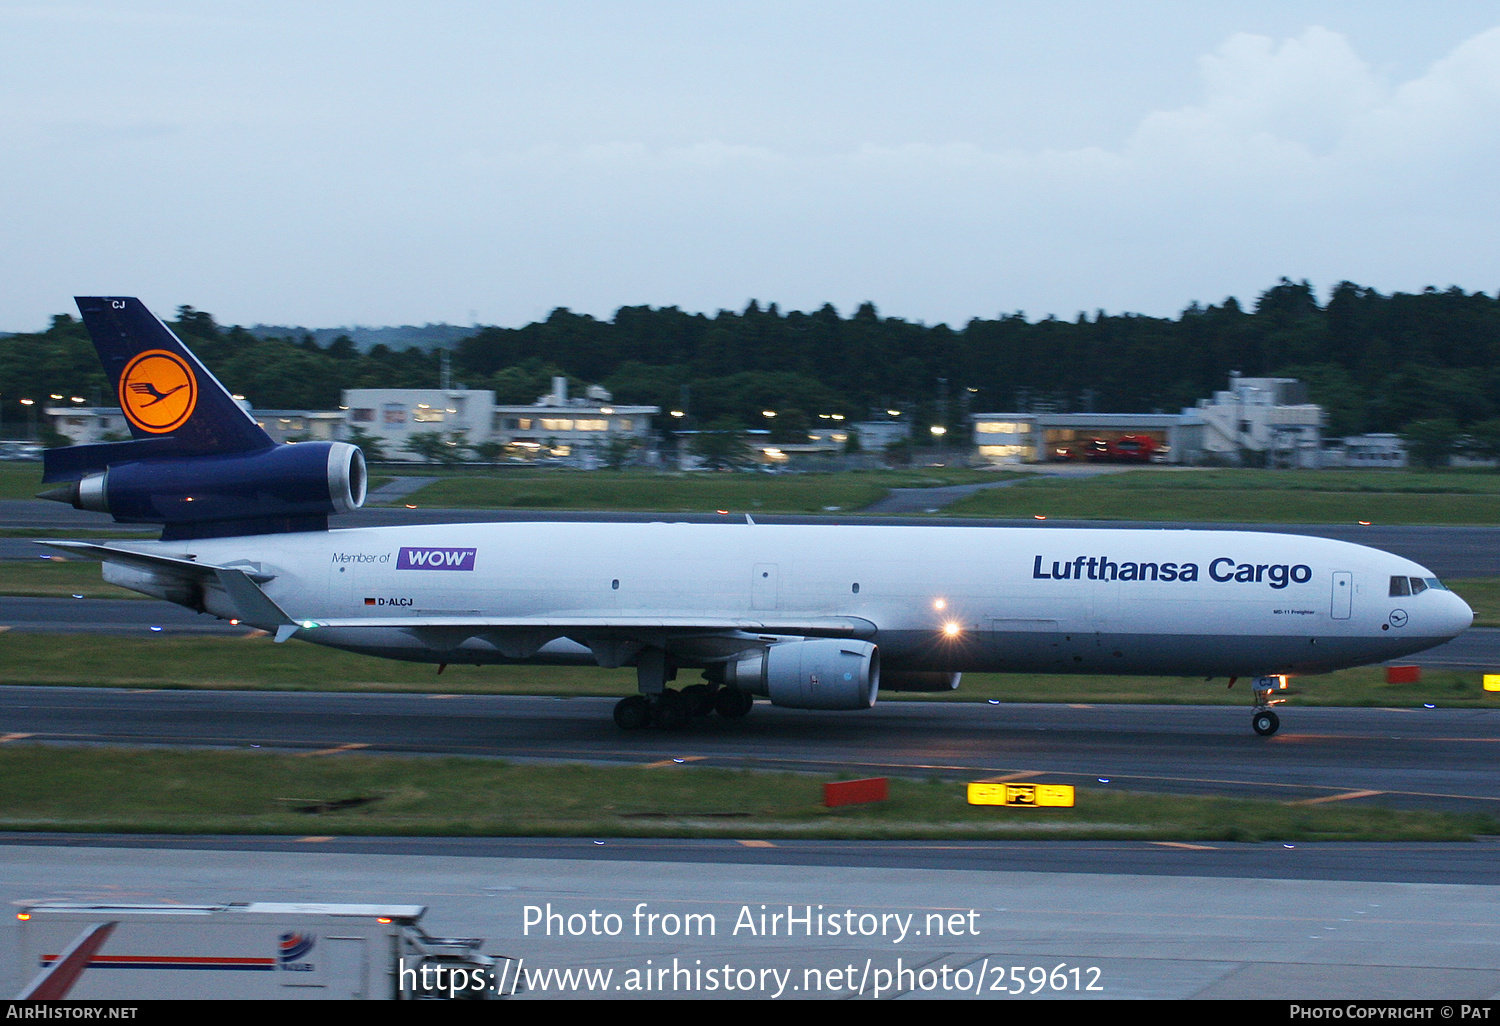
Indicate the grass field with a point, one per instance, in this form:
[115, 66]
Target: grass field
[20, 480]
[57, 578]
[1155, 493]
[1250, 496]
[255, 663]
[54, 788]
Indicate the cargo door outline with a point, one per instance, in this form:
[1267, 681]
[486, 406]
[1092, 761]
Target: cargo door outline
[1343, 595]
[765, 586]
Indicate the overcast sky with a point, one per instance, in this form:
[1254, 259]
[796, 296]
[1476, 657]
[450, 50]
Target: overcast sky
[372, 163]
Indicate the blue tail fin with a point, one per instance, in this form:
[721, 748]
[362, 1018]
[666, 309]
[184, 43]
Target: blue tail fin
[173, 405]
[199, 465]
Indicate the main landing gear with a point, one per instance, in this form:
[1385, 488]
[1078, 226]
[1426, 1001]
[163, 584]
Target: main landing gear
[671, 710]
[659, 706]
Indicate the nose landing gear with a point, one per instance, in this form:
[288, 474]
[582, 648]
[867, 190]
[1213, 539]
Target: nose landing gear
[1263, 720]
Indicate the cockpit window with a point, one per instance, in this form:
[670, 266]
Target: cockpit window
[1433, 582]
[1400, 586]
[1418, 585]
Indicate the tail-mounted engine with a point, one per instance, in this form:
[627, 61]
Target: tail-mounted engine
[282, 488]
[825, 673]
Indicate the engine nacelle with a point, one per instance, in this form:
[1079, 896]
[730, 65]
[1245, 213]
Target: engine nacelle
[824, 673]
[308, 479]
[919, 680]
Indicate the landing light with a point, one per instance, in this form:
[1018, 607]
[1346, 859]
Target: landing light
[939, 603]
[950, 629]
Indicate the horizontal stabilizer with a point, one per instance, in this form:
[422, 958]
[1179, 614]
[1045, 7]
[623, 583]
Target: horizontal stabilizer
[171, 566]
[70, 462]
[251, 605]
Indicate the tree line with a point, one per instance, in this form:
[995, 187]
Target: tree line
[1375, 362]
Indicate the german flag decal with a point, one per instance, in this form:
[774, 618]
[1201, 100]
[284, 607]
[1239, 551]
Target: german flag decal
[158, 391]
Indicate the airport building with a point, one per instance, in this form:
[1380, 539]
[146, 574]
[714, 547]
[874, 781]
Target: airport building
[1261, 421]
[85, 425]
[830, 438]
[1267, 417]
[1001, 438]
[556, 427]
[1373, 451]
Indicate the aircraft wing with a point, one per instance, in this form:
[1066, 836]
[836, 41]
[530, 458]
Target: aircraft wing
[255, 607]
[814, 626]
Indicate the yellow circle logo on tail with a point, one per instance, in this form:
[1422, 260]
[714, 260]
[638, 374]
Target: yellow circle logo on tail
[158, 391]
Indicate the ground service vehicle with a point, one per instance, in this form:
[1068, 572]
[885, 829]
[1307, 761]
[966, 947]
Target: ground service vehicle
[809, 616]
[258, 950]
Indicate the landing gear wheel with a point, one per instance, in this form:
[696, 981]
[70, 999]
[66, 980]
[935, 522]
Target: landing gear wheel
[632, 713]
[670, 711]
[699, 699]
[732, 703]
[1265, 723]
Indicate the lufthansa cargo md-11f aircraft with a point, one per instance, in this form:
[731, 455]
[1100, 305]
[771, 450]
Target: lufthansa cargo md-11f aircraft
[811, 617]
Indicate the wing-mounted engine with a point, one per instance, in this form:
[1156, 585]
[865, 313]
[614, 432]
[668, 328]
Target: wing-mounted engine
[919, 680]
[277, 489]
[821, 673]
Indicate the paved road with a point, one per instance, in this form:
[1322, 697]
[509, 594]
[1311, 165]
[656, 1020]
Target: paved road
[1430, 758]
[1286, 929]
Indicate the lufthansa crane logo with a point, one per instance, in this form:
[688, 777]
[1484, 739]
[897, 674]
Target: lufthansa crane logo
[158, 391]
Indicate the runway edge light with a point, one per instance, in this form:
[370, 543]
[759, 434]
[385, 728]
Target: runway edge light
[1057, 796]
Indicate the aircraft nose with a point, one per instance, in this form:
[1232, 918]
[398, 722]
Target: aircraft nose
[1457, 616]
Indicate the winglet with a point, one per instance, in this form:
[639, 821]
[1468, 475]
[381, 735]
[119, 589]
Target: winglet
[253, 605]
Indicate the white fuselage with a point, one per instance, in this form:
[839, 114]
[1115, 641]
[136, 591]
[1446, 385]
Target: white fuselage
[939, 598]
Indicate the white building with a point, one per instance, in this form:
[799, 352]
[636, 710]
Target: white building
[1001, 438]
[85, 425]
[1373, 450]
[1269, 417]
[580, 431]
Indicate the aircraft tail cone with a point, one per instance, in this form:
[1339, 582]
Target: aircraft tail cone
[62, 493]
